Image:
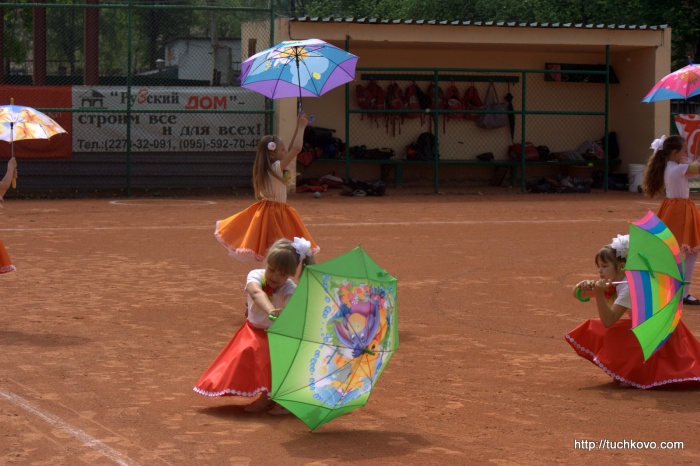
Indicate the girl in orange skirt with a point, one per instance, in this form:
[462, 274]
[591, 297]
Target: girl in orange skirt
[248, 234]
[5, 262]
[243, 366]
[608, 342]
[669, 169]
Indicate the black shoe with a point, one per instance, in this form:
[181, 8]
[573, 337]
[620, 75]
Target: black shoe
[691, 301]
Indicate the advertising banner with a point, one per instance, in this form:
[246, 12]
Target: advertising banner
[161, 128]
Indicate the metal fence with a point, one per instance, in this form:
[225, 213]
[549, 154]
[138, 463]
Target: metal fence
[563, 113]
[149, 92]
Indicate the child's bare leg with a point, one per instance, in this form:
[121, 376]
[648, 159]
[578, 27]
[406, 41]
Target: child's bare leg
[278, 410]
[260, 404]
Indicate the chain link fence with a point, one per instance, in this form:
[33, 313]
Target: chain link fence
[147, 91]
[561, 116]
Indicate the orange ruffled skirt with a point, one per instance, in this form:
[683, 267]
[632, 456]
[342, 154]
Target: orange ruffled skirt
[617, 351]
[242, 368]
[682, 217]
[5, 262]
[248, 234]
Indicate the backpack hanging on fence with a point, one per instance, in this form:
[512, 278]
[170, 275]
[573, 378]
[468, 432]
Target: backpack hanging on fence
[453, 103]
[472, 101]
[413, 102]
[379, 99]
[394, 101]
[365, 99]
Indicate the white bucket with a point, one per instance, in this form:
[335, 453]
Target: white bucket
[634, 176]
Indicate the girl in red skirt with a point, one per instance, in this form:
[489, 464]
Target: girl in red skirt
[5, 262]
[668, 170]
[243, 366]
[608, 342]
[249, 233]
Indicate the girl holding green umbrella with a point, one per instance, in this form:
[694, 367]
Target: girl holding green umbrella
[243, 366]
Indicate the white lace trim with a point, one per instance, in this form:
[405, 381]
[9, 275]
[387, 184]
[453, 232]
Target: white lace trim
[7, 268]
[228, 391]
[622, 379]
[242, 254]
[245, 254]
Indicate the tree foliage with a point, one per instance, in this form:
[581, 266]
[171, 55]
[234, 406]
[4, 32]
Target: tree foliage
[682, 15]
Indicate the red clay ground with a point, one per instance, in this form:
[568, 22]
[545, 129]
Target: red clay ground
[118, 307]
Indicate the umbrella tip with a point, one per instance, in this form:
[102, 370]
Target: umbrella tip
[690, 60]
[12, 99]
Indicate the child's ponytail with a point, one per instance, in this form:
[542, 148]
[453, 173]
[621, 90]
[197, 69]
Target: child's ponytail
[653, 179]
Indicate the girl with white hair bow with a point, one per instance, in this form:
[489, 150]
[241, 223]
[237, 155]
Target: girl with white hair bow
[668, 171]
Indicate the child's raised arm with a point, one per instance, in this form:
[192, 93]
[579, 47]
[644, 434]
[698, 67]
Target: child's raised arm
[297, 142]
[7, 179]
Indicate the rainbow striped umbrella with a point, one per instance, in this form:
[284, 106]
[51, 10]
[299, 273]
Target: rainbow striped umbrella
[654, 273]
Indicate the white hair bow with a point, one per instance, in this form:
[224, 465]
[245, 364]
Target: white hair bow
[621, 245]
[302, 246]
[658, 144]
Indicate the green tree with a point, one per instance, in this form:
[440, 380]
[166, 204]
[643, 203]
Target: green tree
[682, 15]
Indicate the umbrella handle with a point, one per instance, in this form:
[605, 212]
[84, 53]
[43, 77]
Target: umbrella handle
[581, 298]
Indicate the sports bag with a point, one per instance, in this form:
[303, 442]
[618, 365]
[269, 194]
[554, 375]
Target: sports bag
[412, 99]
[472, 101]
[493, 104]
[454, 102]
[394, 101]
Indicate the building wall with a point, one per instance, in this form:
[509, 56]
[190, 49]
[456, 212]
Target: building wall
[639, 58]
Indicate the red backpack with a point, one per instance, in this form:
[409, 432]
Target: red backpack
[365, 99]
[378, 94]
[378, 99]
[472, 101]
[394, 97]
[454, 102]
[411, 98]
[394, 101]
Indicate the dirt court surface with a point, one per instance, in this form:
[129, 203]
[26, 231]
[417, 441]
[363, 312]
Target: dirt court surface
[118, 306]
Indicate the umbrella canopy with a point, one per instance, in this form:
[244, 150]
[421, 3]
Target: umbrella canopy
[18, 123]
[334, 338]
[298, 68]
[681, 84]
[654, 272]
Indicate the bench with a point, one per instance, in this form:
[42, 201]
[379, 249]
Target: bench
[502, 167]
[387, 165]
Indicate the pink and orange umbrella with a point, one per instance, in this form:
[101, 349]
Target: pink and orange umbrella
[19, 123]
[681, 84]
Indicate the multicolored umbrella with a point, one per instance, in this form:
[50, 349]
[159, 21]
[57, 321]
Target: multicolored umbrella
[334, 338]
[19, 123]
[298, 68]
[655, 275]
[681, 84]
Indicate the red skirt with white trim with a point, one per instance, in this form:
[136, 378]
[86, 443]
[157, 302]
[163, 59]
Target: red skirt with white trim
[617, 351]
[5, 262]
[242, 368]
